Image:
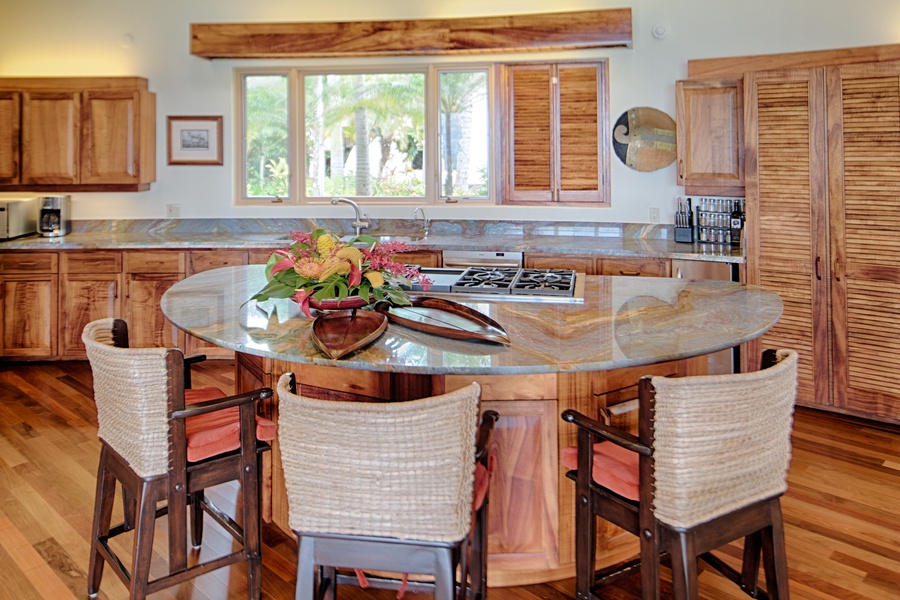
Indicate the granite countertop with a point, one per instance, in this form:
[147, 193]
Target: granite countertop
[623, 321]
[590, 239]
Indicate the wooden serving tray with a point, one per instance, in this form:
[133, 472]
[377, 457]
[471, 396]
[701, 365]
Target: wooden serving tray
[340, 332]
[445, 318]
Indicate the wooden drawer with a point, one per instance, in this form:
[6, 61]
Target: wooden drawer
[29, 262]
[535, 386]
[423, 258]
[259, 257]
[204, 260]
[582, 264]
[92, 262]
[645, 267]
[154, 262]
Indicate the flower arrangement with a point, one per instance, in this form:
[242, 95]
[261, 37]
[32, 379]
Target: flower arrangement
[318, 266]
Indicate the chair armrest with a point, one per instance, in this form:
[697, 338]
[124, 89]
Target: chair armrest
[610, 434]
[202, 408]
[488, 418]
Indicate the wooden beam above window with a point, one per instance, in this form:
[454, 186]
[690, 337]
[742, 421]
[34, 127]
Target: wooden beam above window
[516, 33]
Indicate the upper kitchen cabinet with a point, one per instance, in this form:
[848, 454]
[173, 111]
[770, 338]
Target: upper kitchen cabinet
[77, 134]
[710, 136]
[557, 122]
[10, 121]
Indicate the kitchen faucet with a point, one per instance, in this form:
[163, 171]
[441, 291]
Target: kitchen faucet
[359, 224]
[426, 222]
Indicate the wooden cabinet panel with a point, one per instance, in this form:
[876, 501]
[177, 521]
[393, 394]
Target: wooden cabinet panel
[149, 261]
[84, 298]
[423, 258]
[523, 524]
[709, 135]
[28, 320]
[147, 326]
[634, 267]
[90, 284]
[787, 218]
[259, 257]
[10, 120]
[51, 128]
[582, 264]
[557, 122]
[205, 260]
[110, 137]
[29, 262]
[864, 191]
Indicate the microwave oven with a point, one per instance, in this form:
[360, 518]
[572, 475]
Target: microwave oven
[18, 216]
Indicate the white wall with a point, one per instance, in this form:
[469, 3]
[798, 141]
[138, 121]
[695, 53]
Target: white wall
[151, 39]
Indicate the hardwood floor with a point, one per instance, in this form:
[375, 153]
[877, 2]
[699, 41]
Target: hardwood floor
[842, 512]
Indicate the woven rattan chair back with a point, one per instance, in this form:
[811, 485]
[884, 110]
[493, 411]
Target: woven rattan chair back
[721, 441]
[131, 390]
[385, 486]
[387, 469]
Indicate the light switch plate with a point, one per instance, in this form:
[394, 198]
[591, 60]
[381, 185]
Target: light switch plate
[172, 211]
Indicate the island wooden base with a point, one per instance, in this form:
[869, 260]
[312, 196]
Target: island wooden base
[531, 516]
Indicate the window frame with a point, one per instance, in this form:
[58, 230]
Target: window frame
[498, 144]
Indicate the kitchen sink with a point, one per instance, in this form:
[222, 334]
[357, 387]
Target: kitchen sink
[384, 239]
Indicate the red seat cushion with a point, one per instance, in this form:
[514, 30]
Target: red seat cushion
[218, 432]
[615, 468]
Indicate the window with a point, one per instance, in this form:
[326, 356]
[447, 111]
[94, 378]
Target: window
[418, 135]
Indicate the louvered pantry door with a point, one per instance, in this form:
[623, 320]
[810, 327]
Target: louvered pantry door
[787, 208]
[864, 186]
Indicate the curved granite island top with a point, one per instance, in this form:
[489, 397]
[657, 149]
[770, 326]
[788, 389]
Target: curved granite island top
[624, 321]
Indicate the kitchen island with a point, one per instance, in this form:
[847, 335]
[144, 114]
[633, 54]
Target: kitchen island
[562, 355]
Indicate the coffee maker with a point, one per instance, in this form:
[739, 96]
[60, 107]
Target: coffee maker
[53, 220]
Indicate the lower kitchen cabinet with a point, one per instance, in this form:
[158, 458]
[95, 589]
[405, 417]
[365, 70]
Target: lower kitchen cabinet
[206, 260]
[148, 274]
[90, 286]
[28, 301]
[633, 267]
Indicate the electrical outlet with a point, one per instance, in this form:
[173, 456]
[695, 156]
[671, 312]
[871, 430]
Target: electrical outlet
[654, 214]
[173, 210]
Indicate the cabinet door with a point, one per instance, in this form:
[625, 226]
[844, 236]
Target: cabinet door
[28, 319]
[10, 108]
[864, 191]
[147, 326]
[51, 126]
[205, 260]
[110, 137]
[787, 218]
[90, 284]
[557, 130]
[709, 134]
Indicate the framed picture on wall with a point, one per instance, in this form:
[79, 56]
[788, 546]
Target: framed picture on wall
[194, 140]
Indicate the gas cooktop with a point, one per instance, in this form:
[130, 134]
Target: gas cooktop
[506, 283]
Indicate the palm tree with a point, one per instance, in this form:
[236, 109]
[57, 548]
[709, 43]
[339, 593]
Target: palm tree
[460, 91]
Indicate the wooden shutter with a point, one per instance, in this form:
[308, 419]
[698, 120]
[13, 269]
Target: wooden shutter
[532, 132]
[786, 208]
[864, 167]
[579, 167]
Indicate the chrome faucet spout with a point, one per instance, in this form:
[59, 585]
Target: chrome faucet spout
[426, 222]
[362, 220]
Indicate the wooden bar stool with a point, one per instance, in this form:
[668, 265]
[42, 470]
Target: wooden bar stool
[393, 486]
[161, 441]
[708, 467]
